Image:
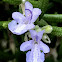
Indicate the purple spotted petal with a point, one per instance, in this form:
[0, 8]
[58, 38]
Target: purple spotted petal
[44, 47]
[18, 17]
[35, 55]
[28, 10]
[36, 13]
[33, 34]
[28, 14]
[40, 34]
[26, 45]
[28, 5]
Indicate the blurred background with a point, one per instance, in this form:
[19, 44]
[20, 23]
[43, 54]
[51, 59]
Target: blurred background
[10, 43]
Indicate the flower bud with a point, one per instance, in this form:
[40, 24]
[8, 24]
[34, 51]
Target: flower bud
[46, 39]
[47, 28]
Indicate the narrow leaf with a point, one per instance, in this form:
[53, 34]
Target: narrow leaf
[53, 17]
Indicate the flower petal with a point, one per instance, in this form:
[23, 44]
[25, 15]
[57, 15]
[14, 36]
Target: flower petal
[42, 56]
[23, 28]
[26, 45]
[27, 56]
[40, 34]
[44, 47]
[33, 34]
[28, 14]
[20, 29]
[28, 10]
[28, 5]
[17, 28]
[35, 54]
[30, 26]
[18, 16]
[12, 25]
[36, 13]
[36, 35]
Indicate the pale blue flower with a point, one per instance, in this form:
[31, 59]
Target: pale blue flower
[22, 23]
[36, 46]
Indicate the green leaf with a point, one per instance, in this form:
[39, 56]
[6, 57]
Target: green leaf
[13, 2]
[36, 4]
[41, 22]
[53, 17]
[17, 2]
[30, 0]
[57, 31]
[59, 34]
[44, 5]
